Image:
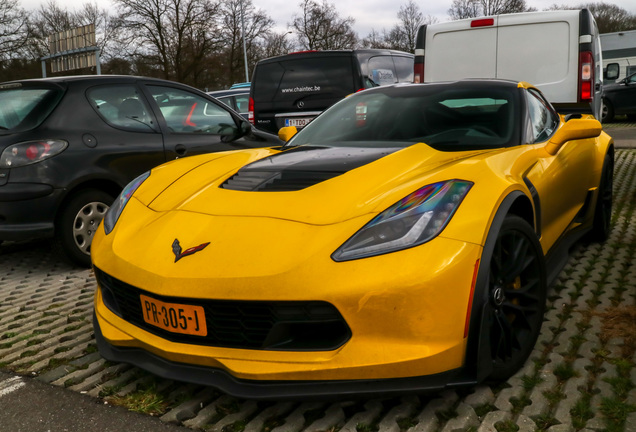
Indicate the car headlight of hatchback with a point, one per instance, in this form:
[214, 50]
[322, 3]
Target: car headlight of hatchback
[30, 152]
[115, 210]
[415, 219]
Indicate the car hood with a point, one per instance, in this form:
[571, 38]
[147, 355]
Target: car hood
[314, 185]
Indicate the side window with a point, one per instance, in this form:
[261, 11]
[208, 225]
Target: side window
[404, 68]
[543, 119]
[121, 106]
[242, 103]
[186, 112]
[381, 71]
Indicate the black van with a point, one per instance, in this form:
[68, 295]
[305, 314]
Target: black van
[291, 90]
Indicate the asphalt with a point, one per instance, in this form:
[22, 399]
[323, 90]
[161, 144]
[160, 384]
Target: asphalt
[581, 375]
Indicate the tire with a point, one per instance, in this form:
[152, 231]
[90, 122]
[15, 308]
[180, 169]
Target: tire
[607, 112]
[631, 117]
[77, 223]
[516, 286]
[603, 208]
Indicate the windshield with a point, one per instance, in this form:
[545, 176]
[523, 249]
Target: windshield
[447, 117]
[23, 108]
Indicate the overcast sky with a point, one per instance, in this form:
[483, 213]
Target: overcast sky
[368, 14]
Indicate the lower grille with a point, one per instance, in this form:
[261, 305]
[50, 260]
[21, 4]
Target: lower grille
[266, 325]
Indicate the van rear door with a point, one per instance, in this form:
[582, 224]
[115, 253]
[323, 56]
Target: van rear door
[294, 89]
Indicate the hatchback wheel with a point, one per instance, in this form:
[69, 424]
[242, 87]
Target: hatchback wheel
[78, 222]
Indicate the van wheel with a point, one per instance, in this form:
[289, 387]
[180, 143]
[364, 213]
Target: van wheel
[607, 111]
[77, 223]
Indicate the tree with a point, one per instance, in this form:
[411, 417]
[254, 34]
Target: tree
[172, 39]
[402, 35]
[276, 44]
[609, 18]
[461, 9]
[319, 27]
[236, 16]
[14, 29]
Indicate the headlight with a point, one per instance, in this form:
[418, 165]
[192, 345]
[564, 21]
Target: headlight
[413, 220]
[30, 152]
[118, 206]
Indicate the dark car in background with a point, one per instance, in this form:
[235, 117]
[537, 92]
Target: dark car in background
[236, 98]
[619, 98]
[293, 89]
[69, 145]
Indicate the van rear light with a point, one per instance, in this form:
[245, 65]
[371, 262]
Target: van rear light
[484, 22]
[586, 76]
[250, 111]
[418, 73]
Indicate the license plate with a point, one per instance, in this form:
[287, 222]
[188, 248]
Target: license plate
[298, 122]
[174, 317]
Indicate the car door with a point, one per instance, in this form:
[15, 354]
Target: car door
[625, 97]
[128, 140]
[193, 123]
[562, 180]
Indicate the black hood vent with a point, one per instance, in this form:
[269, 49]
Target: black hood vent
[301, 167]
[267, 181]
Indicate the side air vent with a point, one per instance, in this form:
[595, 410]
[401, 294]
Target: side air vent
[277, 181]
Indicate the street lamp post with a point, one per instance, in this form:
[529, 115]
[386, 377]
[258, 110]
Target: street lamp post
[247, 78]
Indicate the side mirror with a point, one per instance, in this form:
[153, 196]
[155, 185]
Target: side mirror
[574, 129]
[612, 71]
[287, 133]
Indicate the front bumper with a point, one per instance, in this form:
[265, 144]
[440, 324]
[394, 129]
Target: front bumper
[263, 390]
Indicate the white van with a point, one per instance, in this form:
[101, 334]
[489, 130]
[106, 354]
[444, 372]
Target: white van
[557, 51]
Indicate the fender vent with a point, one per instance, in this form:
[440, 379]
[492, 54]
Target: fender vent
[276, 181]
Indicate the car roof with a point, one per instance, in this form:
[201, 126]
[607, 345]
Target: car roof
[91, 78]
[238, 91]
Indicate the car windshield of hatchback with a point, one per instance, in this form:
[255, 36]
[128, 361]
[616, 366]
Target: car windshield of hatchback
[24, 108]
[447, 118]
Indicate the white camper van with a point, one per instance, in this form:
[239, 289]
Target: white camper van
[557, 51]
[619, 53]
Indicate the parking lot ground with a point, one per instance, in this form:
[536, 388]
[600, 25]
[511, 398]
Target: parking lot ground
[581, 375]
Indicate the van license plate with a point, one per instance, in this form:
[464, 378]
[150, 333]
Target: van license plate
[298, 122]
[174, 317]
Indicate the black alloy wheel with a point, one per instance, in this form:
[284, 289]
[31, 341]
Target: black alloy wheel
[603, 209]
[516, 289]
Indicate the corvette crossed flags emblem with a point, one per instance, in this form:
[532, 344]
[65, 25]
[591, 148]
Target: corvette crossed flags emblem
[178, 254]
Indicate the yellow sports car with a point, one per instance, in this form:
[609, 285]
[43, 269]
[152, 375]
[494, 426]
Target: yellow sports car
[403, 240]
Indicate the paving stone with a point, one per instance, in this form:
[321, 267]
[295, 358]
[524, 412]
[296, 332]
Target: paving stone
[466, 418]
[189, 408]
[526, 424]
[630, 423]
[406, 409]
[504, 397]
[561, 428]
[572, 395]
[334, 416]
[483, 395]
[491, 419]
[296, 420]
[274, 411]
[372, 410]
